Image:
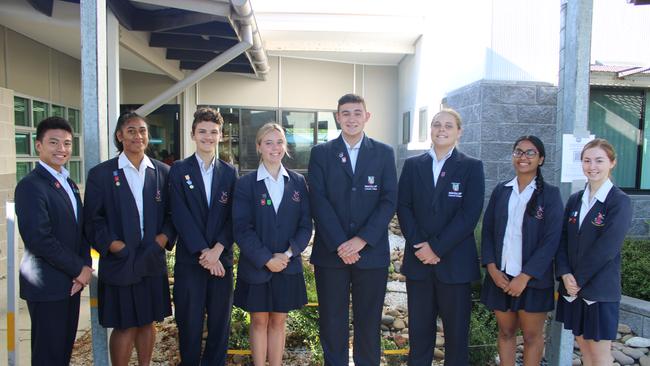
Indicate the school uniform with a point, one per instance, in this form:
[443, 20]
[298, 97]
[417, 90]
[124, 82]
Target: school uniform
[590, 250]
[517, 242]
[201, 204]
[270, 216]
[50, 222]
[353, 192]
[441, 209]
[132, 205]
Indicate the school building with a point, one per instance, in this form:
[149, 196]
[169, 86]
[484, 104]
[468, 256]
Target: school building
[497, 64]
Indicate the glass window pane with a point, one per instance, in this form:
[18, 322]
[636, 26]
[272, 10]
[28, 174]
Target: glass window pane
[22, 169]
[229, 145]
[406, 127]
[251, 121]
[21, 111]
[299, 128]
[22, 143]
[424, 125]
[34, 152]
[58, 111]
[645, 158]
[40, 111]
[73, 118]
[75, 146]
[75, 171]
[614, 115]
[328, 128]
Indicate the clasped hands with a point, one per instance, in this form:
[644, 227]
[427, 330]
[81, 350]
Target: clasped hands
[512, 287]
[349, 250]
[570, 284]
[209, 259]
[425, 254]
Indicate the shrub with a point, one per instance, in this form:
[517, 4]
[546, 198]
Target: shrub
[482, 335]
[635, 268]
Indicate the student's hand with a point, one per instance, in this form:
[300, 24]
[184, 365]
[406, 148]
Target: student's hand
[116, 246]
[216, 269]
[351, 259]
[283, 258]
[425, 254]
[276, 264]
[209, 257]
[517, 285]
[85, 275]
[161, 240]
[570, 284]
[76, 287]
[499, 278]
[352, 246]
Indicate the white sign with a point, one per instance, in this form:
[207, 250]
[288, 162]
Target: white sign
[571, 164]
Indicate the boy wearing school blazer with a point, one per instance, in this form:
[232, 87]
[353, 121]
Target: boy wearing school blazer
[353, 194]
[56, 265]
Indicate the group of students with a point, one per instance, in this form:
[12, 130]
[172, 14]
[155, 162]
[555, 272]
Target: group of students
[135, 208]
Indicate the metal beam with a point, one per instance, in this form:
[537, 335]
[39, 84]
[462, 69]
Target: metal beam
[190, 42]
[230, 67]
[155, 57]
[201, 6]
[213, 29]
[168, 19]
[199, 74]
[632, 71]
[199, 56]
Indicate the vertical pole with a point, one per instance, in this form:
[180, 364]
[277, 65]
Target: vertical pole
[94, 102]
[572, 115]
[12, 286]
[113, 68]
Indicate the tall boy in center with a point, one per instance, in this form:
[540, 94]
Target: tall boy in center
[353, 194]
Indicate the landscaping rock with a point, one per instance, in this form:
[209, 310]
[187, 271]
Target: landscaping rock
[633, 352]
[622, 358]
[638, 342]
[399, 324]
[439, 354]
[624, 329]
[387, 319]
[644, 361]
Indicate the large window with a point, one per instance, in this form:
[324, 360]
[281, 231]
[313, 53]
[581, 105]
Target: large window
[621, 116]
[304, 129]
[28, 112]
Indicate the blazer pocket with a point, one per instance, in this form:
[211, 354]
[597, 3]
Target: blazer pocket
[122, 253]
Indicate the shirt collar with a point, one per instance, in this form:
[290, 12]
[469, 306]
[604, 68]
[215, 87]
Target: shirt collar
[356, 146]
[432, 153]
[63, 173]
[602, 193]
[202, 164]
[123, 162]
[262, 173]
[513, 184]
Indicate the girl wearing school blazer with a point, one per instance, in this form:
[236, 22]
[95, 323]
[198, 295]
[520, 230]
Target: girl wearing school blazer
[520, 235]
[589, 259]
[127, 221]
[272, 226]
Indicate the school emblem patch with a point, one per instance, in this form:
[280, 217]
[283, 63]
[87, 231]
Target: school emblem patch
[455, 190]
[296, 196]
[539, 213]
[224, 197]
[599, 220]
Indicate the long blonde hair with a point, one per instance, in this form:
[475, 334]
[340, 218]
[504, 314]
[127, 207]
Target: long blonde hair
[266, 128]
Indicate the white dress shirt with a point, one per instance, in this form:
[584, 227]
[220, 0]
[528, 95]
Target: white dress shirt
[62, 178]
[206, 174]
[135, 178]
[585, 207]
[353, 152]
[511, 257]
[437, 165]
[275, 188]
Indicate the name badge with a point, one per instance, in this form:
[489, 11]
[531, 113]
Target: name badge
[371, 186]
[455, 191]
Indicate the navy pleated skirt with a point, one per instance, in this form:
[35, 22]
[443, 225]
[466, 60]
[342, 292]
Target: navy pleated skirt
[282, 293]
[531, 300]
[598, 321]
[135, 305]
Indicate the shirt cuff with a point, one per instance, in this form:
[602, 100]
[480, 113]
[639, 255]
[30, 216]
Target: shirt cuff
[289, 253]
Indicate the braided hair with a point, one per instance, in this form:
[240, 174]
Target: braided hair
[531, 208]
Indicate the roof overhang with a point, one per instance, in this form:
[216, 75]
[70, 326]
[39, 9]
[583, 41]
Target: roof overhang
[620, 75]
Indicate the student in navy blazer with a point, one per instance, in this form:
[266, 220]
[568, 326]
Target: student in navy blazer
[353, 194]
[272, 226]
[440, 202]
[127, 220]
[520, 236]
[596, 221]
[201, 202]
[56, 264]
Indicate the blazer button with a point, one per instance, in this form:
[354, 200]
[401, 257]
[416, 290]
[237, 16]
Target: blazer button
[352, 224]
[354, 189]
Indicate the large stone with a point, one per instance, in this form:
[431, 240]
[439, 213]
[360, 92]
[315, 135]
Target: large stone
[437, 353]
[622, 358]
[576, 362]
[633, 352]
[440, 340]
[547, 95]
[644, 361]
[387, 319]
[399, 324]
[509, 94]
[638, 342]
[624, 329]
[499, 113]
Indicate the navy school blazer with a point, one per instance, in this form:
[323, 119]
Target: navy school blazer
[111, 214]
[444, 215]
[55, 249]
[540, 233]
[260, 232]
[592, 253]
[346, 204]
[199, 226]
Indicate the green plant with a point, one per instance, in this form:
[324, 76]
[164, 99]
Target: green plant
[482, 335]
[635, 268]
[239, 324]
[170, 259]
[302, 331]
[310, 281]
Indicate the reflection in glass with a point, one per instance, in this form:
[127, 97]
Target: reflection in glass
[22, 143]
[229, 146]
[328, 128]
[75, 171]
[58, 111]
[40, 111]
[21, 111]
[75, 146]
[299, 128]
[73, 118]
[251, 121]
[22, 169]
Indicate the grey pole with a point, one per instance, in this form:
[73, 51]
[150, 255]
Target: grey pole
[572, 116]
[12, 287]
[94, 102]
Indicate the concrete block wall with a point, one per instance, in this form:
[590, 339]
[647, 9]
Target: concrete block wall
[7, 165]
